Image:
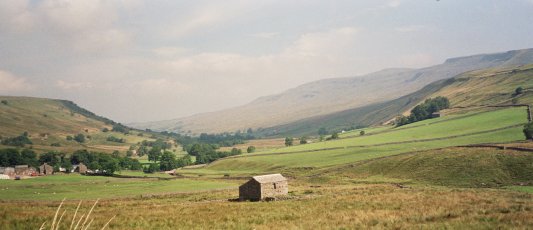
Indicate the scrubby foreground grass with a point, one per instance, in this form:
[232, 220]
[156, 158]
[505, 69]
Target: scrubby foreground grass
[347, 205]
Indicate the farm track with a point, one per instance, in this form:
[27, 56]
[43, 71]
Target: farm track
[382, 144]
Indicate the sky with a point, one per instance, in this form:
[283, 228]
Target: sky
[148, 60]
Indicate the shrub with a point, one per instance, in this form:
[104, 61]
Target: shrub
[69, 138]
[4, 102]
[80, 138]
[56, 144]
[288, 141]
[250, 149]
[528, 131]
[362, 133]
[519, 91]
[19, 141]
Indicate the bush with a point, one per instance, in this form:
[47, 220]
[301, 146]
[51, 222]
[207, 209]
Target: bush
[362, 133]
[303, 140]
[288, 141]
[250, 149]
[528, 131]
[69, 138]
[519, 91]
[19, 141]
[79, 138]
[56, 144]
[105, 130]
[4, 102]
[115, 139]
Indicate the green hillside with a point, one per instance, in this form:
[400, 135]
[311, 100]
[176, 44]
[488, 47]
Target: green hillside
[482, 87]
[492, 126]
[49, 121]
[466, 167]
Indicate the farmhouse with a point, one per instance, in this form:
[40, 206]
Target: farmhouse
[24, 170]
[46, 169]
[264, 187]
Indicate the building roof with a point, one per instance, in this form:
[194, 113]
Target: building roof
[269, 178]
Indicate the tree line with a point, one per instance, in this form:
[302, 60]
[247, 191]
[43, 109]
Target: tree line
[424, 111]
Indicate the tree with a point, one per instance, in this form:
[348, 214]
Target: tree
[51, 158]
[29, 157]
[528, 131]
[322, 131]
[362, 133]
[79, 138]
[288, 141]
[105, 130]
[4, 102]
[249, 131]
[168, 161]
[154, 154]
[250, 149]
[303, 140]
[151, 168]
[335, 135]
[69, 138]
[519, 90]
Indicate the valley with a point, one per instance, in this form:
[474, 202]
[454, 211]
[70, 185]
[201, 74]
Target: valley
[468, 167]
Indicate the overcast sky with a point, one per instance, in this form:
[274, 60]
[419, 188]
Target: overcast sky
[150, 60]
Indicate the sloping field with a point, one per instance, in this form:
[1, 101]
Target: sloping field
[497, 126]
[465, 167]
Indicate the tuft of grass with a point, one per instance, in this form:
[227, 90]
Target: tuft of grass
[56, 223]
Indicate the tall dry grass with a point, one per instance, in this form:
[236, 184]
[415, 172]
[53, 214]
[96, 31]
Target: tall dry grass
[82, 223]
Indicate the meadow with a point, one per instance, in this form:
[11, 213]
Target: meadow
[348, 205]
[75, 186]
[495, 126]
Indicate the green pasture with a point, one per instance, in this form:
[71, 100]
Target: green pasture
[454, 131]
[428, 129]
[75, 186]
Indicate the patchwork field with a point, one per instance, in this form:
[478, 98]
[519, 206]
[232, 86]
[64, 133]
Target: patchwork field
[75, 186]
[494, 126]
[356, 181]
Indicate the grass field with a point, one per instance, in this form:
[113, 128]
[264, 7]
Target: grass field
[503, 125]
[75, 186]
[459, 167]
[350, 205]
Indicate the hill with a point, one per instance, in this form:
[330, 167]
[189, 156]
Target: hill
[48, 122]
[334, 95]
[465, 167]
[491, 125]
[494, 86]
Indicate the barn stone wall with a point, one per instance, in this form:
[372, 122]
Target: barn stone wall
[274, 189]
[251, 190]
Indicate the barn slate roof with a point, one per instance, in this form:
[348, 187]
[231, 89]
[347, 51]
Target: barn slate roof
[269, 178]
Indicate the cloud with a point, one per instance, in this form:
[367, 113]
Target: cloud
[393, 3]
[206, 17]
[10, 83]
[265, 35]
[410, 28]
[15, 16]
[65, 85]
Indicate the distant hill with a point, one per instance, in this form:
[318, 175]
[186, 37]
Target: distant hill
[330, 96]
[495, 86]
[50, 121]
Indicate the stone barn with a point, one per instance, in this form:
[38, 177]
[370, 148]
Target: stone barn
[81, 168]
[46, 169]
[264, 187]
[24, 170]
